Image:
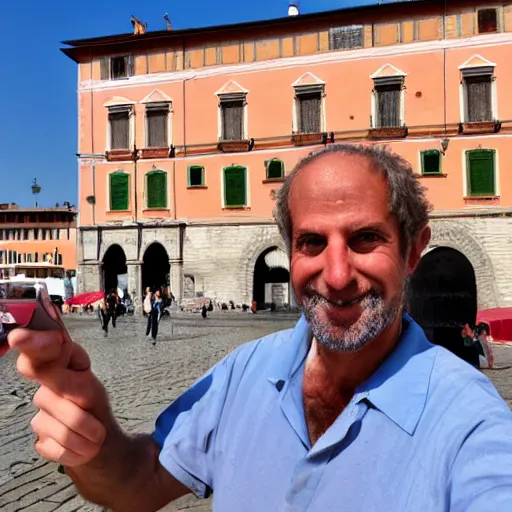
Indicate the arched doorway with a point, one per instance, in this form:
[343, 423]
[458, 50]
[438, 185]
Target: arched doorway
[156, 267]
[271, 282]
[442, 297]
[115, 271]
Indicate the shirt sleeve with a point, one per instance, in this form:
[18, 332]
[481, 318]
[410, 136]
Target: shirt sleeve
[481, 477]
[185, 429]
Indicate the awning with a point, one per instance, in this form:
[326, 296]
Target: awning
[499, 321]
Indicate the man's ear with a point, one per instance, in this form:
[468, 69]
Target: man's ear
[417, 248]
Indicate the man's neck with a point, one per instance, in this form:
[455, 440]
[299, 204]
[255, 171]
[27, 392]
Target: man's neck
[345, 371]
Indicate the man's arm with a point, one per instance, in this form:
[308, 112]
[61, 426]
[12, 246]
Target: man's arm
[481, 476]
[75, 427]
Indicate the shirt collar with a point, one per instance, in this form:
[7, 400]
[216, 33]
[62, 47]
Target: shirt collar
[399, 387]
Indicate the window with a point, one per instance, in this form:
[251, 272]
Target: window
[157, 119]
[478, 97]
[343, 38]
[119, 120]
[43, 234]
[431, 162]
[156, 183]
[275, 168]
[309, 108]
[235, 186]
[487, 21]
[196, 176]
[232, 117]
[36, 234]
[116, 68]
[25, 234]
[57, 234]
[388, 100]
[119, 191]
[481, 172]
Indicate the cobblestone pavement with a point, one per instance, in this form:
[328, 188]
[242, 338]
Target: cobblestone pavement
[142, 380]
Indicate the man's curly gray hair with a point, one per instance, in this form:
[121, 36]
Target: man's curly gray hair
[407, 197]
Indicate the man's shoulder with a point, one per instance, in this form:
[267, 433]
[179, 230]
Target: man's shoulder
[467, 388]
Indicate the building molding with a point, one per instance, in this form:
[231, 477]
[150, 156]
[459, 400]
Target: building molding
[414, 48]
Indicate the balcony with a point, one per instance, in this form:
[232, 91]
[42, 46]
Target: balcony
[390, 132]
[120, 155]
[479, 127]
[309, 139]
[162, 152]
[236, 146]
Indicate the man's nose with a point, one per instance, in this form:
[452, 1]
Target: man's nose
[338, 272]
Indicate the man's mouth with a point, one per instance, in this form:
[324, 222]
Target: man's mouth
[343, 303]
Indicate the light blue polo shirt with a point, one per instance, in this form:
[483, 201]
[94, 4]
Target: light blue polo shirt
[427, 432]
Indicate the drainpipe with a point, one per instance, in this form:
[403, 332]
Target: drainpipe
[174, 188]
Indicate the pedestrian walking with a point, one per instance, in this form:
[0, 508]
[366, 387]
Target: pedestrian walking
[154, 316]
[204, 311]
[353, 409]
[108, 310]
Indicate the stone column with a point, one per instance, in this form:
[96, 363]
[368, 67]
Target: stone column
[135, 284]
[177, 278]
[89, 277]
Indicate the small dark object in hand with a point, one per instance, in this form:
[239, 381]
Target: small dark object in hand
[61, 469]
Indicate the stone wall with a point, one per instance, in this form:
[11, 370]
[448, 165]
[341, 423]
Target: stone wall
[221, 258]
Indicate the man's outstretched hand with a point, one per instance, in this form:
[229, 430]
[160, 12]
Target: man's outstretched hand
[74, 413]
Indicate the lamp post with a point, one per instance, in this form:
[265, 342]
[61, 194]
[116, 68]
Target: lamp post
[36, 190]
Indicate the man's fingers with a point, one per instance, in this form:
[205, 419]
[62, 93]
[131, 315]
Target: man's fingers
[71, 417]
[45, 425]
[41, 346]
[50, 449]
[46, 348]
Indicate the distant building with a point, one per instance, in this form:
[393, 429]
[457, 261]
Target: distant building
[37, 241]
[186, 136]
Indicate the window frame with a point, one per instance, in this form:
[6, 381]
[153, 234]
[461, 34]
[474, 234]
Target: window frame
[342, 29]
[112, 109]
[147, 176]
[306, 90]
[474, 72]
[498, 9]
[232, 97]
[155, 107]
[467, 175]
[399, 81]
[109, 183]
[106, 65]
[267, 167]
[426, 152]
[203, 176]
[223, 188]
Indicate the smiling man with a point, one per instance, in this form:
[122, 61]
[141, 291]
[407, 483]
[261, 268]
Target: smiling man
[353, 409]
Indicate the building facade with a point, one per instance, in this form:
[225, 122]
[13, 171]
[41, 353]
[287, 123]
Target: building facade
[185, 137]
[37, 239]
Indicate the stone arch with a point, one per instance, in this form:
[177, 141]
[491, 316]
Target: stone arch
[455, 235]
[264, 239]
[113, 266]
[155, 266]
[271, 279]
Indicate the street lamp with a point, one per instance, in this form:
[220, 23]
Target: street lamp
[36, 190]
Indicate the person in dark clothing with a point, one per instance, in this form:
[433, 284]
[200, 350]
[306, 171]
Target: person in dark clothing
[154, 316]
[472, 346]
[204, 311]
[109, 310]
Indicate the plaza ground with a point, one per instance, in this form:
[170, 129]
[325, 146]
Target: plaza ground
[142, 380]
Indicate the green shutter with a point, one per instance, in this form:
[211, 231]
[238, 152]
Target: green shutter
[481, 172]
[235, 193]
[431, 162]
[275, 169]
[119, 191]
[157, 189]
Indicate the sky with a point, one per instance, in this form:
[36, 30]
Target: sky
[38, 83]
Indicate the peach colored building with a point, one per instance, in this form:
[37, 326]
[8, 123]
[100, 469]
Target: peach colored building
[185, 136]
[40, 242]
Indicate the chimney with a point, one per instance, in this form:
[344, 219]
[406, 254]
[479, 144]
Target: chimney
[293, 8]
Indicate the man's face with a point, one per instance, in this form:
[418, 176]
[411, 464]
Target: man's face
[347, 267]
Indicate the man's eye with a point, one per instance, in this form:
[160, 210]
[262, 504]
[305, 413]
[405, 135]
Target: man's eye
[365, 242]
[311, 245]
